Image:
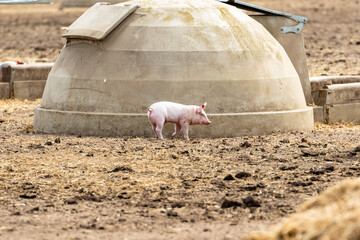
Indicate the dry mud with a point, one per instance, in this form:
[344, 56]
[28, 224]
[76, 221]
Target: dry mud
[74, 187]
[136, 188]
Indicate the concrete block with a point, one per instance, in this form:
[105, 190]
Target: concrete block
[320, 97]
[318, 83]
[4, 90]
[31, 71]
[339, 94]
[28, 89]
[319, 114]
[5, 74]
[315, 96]
[344, 112]
[328, 80]
[25, 81]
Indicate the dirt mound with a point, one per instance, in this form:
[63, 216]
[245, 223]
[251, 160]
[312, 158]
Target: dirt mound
[335, 214]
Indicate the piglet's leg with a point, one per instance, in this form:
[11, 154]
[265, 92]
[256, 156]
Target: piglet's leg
[177, 130]
[158, 131]
[185, 130]
[154, 129]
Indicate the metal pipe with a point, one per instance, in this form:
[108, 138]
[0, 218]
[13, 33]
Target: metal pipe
[246, 6]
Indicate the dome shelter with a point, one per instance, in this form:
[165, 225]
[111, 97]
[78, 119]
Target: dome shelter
[119, 59]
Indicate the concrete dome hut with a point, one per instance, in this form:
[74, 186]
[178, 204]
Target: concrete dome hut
[119, 59]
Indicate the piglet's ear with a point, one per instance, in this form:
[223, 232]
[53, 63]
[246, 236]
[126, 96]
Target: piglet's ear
[204, 105]
[198, 110]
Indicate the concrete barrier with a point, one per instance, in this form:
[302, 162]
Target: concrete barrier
[28, 89]
[318, 83]
[339, 94]
[5, 75]
[25, 81]
[4, 90]
[319, 114]
[338, 97]
[30, 71]
[328, 80]
[344, 112]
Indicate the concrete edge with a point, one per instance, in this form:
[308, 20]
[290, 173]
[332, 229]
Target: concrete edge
[122, 124]
[28, 89]
[319, 82]
[145, 114]
[4, 90]
[349, 112]
[319, 114]
[27, 66]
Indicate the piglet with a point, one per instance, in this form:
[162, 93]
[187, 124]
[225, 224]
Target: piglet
[182, 115]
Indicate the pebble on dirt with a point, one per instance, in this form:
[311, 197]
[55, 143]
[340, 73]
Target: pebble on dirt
[26, 196]
[250, 201]
[230, 203]
[121, 168]
[229, 177]
[242, 175]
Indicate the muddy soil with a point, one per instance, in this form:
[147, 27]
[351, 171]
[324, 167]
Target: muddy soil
[75, 187]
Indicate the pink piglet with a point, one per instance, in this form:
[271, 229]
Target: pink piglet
[182, 115]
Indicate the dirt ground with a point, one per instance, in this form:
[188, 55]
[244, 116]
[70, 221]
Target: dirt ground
[74, 187]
